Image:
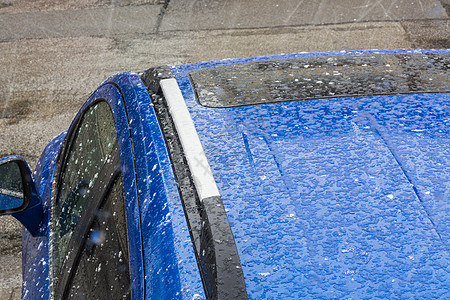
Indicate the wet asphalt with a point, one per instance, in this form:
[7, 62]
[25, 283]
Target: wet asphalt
[53, 54]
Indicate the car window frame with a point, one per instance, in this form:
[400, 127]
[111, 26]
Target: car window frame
[112, 94]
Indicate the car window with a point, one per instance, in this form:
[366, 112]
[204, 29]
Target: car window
[90, 147]
[103, 269]
[310, 78]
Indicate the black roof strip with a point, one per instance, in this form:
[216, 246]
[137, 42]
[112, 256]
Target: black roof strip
[211, 234]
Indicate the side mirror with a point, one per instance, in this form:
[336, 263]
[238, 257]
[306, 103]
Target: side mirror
[18, 196]
[11, 187]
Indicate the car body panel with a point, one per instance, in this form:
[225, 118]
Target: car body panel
[163, 254]
[35, 259]
[170, 264]
[337, 197]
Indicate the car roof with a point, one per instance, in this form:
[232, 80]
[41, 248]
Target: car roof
[333, 197]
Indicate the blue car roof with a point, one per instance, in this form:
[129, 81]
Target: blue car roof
[336, 197]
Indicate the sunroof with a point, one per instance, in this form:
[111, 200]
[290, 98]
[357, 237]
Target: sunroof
[310, 78]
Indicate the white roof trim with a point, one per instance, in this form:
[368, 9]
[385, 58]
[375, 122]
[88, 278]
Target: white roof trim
[198, 163]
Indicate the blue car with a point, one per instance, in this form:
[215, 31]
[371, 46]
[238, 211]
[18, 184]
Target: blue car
[310, 175]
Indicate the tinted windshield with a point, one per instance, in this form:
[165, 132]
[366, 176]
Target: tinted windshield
[309, 78]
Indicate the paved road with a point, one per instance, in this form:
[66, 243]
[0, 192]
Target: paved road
[54, 53]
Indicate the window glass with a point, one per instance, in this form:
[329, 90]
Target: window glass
[11, 188]
[91, 146]
[11, 180]
[103, 269]
[309, 78]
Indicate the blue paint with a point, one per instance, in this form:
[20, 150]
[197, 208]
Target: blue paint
[170, 266]
[35, 259]
[186, 68]
[334, 198]
[31, 217]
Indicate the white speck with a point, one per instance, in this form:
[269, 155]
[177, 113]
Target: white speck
[427, 192]
[98, 269]
[390, 196]
[411, 257]
[291, 215]
[264, 274]
[263, 177]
